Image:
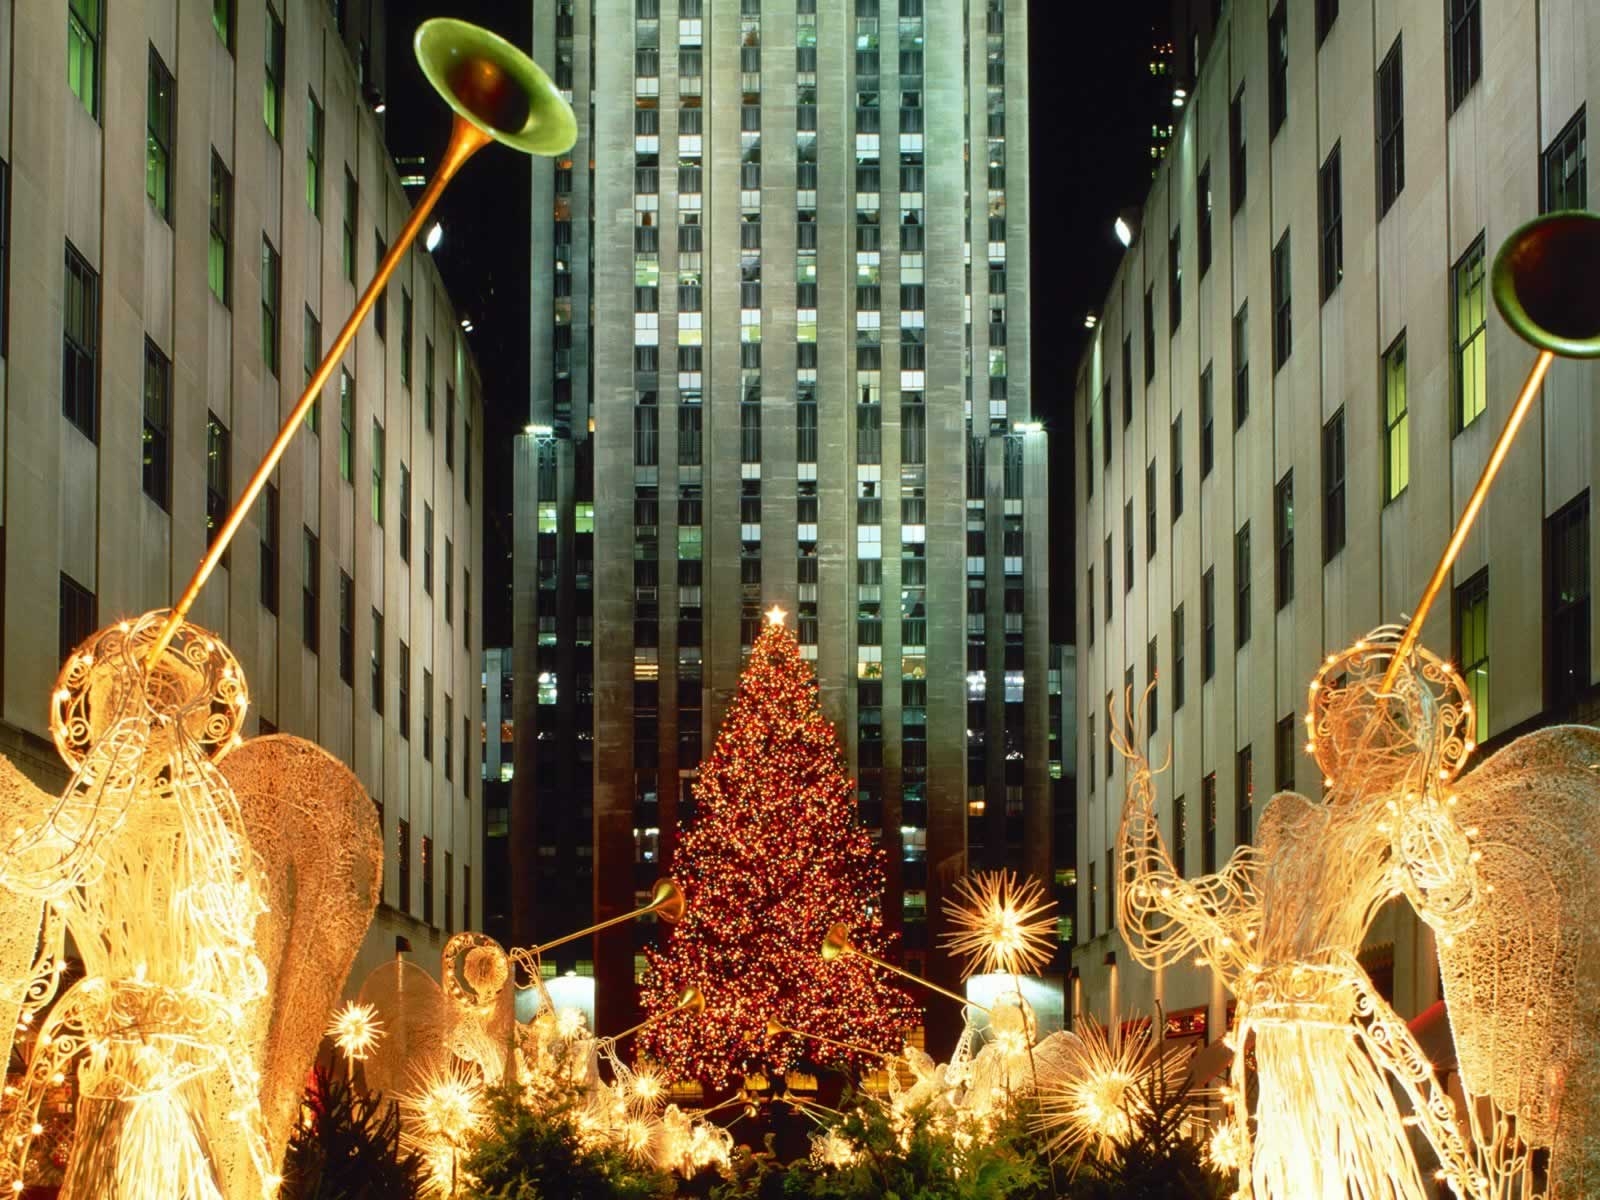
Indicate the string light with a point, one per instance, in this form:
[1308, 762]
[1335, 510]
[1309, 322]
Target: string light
[1001, 924]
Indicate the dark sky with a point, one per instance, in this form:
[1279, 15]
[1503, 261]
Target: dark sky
[1090, 103]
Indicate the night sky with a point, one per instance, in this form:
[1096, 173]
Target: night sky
[1091, 107]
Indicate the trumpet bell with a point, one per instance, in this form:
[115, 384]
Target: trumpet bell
[1544, 283]
[667, 902]
[495, 86]
[692, 1000]
[837, 942]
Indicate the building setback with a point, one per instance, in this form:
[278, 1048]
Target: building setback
[800, 231]
[1296, 380]
[194, 197]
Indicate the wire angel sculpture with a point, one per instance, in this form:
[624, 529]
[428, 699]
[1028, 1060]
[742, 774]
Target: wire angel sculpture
[217, 891]
[1500, 863]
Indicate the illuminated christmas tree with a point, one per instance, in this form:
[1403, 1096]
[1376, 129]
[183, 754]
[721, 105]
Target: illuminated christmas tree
[774, 857]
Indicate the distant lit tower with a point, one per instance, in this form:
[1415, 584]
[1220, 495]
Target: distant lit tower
[1162, 100]
[780, 354]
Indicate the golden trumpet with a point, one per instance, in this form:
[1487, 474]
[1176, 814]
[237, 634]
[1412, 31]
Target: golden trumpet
[498, 94]
[775, 1027]
[691, 1000]
[836, 944]
[666, 901]
[1543, 285]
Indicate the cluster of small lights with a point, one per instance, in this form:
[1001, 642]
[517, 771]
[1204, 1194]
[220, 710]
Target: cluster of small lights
[775, 857]
[1001, 924]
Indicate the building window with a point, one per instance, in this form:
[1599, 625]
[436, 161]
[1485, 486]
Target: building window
[427, 715]
[1105, 408]
[1203, 215]
[315, 132]
[219, 473]
[1127, 547]
[1108, 584]
[1236, 152]
[310, 591]
[78, 617]
[405, 338]
[1564, 172]
[1278, 68]
[269, 548]
[403, 861]
[347, 426]
[272, 88]
[380, 309]
[1208, 424]
[1333, 486]
[271, 290]
[1089, 592]
[427, 880]
[1127, 380]
[1471, 627]
[1180, 836]
[1178, 680]
[403, 716]
[1149, 338]
[222, 21]
[1208, 824]
[1241, 585]
[1283, 750]
[310, 360]
[159, 109]
[447, 751]
[1175, 280]
[1391, 131]
[80, 328]
[5, 255]
[449, 426]
[1208, 624]
[1241, 359]
[449, 580]
[427, 548]
[1327, 13]
[1152, 706]
[1244, 796]
[377, 662]
[1282, 319]
[1283, 538]
[1110, 750]
[1566, 556]
[1470, 294]
[219, 258]
[156, 451]
[1330, 222]
[1466, 48]
[1396, 421]
[347, 628]
[347, 236]
[378, 456]
[1176, 453]
[84, 29]
[427, 384]
[1150, 510]
[405, 513]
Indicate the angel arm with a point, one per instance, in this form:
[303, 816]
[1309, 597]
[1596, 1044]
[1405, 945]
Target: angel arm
[1165, 917]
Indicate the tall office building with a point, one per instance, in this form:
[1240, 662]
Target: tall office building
[1295, 384]
[194, 197]
[784, 361]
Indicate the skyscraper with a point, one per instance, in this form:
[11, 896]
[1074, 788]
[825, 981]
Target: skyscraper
[784, 360]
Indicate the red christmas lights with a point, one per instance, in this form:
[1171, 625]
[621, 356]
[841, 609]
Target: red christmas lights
[774, 856]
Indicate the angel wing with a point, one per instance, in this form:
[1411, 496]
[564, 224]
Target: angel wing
[1522, 977]
[321, 850]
